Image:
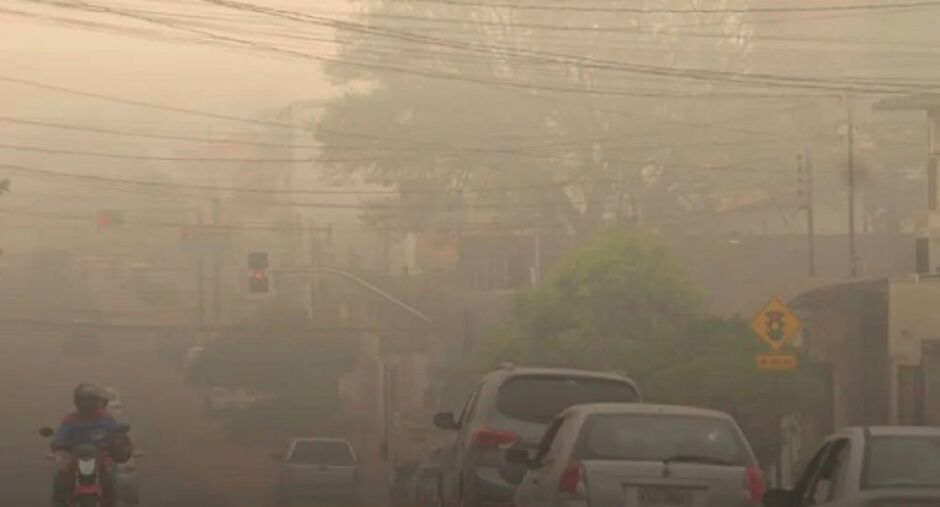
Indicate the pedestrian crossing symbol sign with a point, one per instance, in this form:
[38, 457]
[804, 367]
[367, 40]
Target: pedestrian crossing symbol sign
[775, 324]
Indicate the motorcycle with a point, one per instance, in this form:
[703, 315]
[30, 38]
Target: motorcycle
[88, 465]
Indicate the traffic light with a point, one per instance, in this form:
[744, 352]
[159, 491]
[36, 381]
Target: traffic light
[258, 281]
[110, 218]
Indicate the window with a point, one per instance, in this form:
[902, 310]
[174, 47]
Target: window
[803, 483]
[545, 444]
[902, 461]
[469, 407]
[661, 437]
[830, 475]
[540, 398]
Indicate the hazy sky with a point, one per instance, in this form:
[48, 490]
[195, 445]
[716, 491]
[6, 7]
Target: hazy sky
[198, 76]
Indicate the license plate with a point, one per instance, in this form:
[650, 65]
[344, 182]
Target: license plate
[665, 497]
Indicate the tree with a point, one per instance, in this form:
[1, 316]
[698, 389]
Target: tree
[527, 115]
[621, 303]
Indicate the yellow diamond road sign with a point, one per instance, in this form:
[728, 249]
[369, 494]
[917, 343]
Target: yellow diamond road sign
[775, 324]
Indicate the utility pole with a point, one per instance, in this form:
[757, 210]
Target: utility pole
[620, 180]
[850, 147]
[806, 190]
[313, 285]
[216, 265]
[200, 274]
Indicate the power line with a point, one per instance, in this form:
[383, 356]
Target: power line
[750, 79]
[160, 185]
[142, 135]
[638, 10]
[59, 151]
[151, 105]
[631, 31]
[212, 188]
[264, 227]
[745, 79]
[358, 135]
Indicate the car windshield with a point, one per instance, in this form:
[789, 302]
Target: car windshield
[541, 398]
[321, 452]
[903, 461]
[659, 437]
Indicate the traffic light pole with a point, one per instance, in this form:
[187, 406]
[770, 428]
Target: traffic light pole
[200, 279]
[806, 164]
[850, 160]
[216, 269]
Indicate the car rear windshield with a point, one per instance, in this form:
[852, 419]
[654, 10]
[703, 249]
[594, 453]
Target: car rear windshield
[541, 398]
[321, 452]
[663, 437]
[903, 461]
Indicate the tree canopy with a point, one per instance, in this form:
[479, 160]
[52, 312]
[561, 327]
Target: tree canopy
[621, 303]
[532, 116]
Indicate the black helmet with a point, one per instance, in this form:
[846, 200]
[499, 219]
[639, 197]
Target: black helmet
[89, 397]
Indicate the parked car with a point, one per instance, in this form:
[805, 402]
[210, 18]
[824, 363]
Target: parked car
[872, 466]
[512, 407]
[425, 481]
[318, 468]
[638, 455]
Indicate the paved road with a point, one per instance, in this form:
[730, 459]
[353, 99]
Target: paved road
[187, 461]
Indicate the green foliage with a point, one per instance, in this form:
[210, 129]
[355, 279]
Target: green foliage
[621, 303]
[278, 355]
[617, 299]
[513, 99]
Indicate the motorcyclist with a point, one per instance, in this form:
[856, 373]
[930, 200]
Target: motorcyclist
[89, 424]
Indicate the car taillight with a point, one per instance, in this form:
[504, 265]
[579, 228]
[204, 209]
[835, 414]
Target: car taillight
[489, 438]
[571, 478]
[754, 484]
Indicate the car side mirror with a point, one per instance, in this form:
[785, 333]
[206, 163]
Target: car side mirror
[520, 456]
[445, 421]
[778, 498]
[46, 432]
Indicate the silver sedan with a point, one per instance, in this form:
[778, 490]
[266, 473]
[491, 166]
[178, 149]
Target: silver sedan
[881, 466]
[640, 455]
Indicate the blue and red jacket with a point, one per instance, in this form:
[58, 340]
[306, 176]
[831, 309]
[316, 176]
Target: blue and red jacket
[77, 429]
